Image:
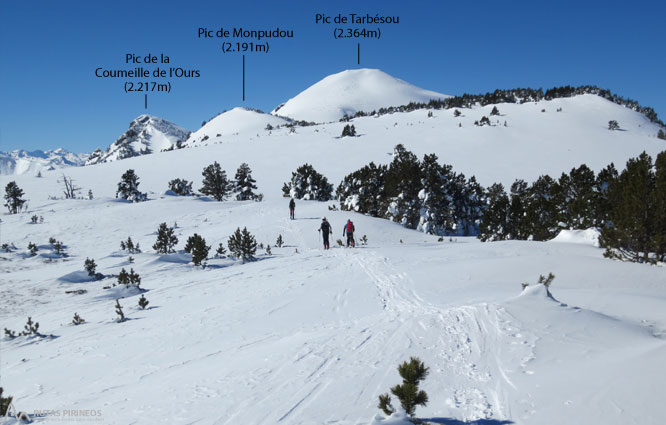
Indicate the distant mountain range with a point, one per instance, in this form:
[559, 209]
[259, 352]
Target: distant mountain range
[342, 96]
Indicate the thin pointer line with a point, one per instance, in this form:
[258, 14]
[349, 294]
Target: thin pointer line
[145, 102]
[243, 78]
[358, 53]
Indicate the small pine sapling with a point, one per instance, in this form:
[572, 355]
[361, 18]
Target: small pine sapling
[385, 404]
[34, 219]
[143, 302]
[166, 239]
[59, 248]
[364, 240]
[52, 240]
[90, 266]
[31, 328]
[119, 312]
[221, 251]
[261, 246]
[525, 285]
[196, 245]
[33, 249]
[412, 373]
[130, 259]
[279, 241]
[77, 320]
[10, 333]
[268, 250]
[547, 280]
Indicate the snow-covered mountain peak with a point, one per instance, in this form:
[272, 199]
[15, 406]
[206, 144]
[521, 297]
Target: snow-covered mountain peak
[146, 134]
[350, 91]
[235, 122]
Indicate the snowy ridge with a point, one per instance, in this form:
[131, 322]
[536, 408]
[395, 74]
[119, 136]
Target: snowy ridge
[24, 162]
[350, 91]
[238, 122]
[146, 134]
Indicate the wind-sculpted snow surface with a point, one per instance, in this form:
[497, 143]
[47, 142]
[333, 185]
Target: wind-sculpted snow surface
[310, 336]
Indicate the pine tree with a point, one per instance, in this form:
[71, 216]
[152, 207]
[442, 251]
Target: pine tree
[403, 183]
[631, 235]
[128, 187]
[181, 187]
[221, 250]
[129, 246]
[4, 403]
[33, 249]
[90, 266]
[77, 320]
[268, 250]
[196, 245]
[31, 328]
[119, 312]
[13, 198]
[215, 182]
[166, 239]
[279, 241]
[363, 190]
[307, 183]
[245, 185]
[436, 216]
[143, 302]
[576, 197]
[613, 125]
[517, 228]
[242, 245]
[494, 224]
[495, 111]
[659, 202]
[541, 213]
[348, 131]
[661, 134]
[409, 394]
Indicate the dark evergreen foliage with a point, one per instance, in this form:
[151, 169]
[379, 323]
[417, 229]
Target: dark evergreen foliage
[119, 312]
[4, 403]
[14, 198]
[518, 95]
[215, 182]
[143, 302]
[613, 125]
[166, 239]
[363, 190]
[495, 223]
[90, 266]
[128, 187]
[409, 394]
[77, 320]
[637, 212]
[306, 183]
[349, 131]
[196, 245]
[244, 185]
[181, 187]
[242, 245]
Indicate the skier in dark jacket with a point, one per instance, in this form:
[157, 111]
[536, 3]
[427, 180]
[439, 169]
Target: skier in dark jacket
[349, 231]
[325, 230]
[292, 208]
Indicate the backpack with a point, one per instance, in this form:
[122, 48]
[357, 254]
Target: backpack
[350, 227]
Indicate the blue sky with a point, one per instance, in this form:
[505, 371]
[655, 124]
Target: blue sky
[50, 50]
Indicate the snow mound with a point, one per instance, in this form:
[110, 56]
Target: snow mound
[397, 418]
[238, 121]
[350, 91]
[79, 276]
[586, 237]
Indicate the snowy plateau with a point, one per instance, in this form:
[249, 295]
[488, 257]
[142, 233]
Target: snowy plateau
[307, 336]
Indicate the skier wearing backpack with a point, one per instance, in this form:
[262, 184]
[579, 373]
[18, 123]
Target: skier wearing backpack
[292, 208]
[325, 230]
[349, 231]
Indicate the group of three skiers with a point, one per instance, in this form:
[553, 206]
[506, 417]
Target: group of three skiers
[326, 230]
